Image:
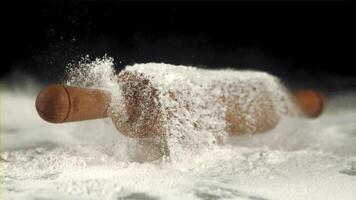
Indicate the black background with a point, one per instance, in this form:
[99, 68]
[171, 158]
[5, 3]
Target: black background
[308, 44]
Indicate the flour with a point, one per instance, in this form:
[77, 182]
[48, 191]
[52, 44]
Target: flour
[194, 119]
[99, 74]
[299, 159]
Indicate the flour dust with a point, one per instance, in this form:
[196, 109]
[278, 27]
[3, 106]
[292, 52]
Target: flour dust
[299, 159]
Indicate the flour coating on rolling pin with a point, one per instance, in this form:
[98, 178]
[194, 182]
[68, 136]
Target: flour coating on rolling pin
[196, 103]
[197, 107]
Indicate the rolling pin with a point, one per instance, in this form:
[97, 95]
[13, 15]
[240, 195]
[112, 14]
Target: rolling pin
[154, 100]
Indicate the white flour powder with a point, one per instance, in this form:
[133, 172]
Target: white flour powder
[300, 159]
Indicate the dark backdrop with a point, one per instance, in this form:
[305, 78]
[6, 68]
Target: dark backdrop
[305, 43]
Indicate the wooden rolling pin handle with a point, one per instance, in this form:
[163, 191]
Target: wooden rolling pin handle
[59, 103]
[311, 102]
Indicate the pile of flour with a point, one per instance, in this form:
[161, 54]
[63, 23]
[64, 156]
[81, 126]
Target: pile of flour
[299, 159]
